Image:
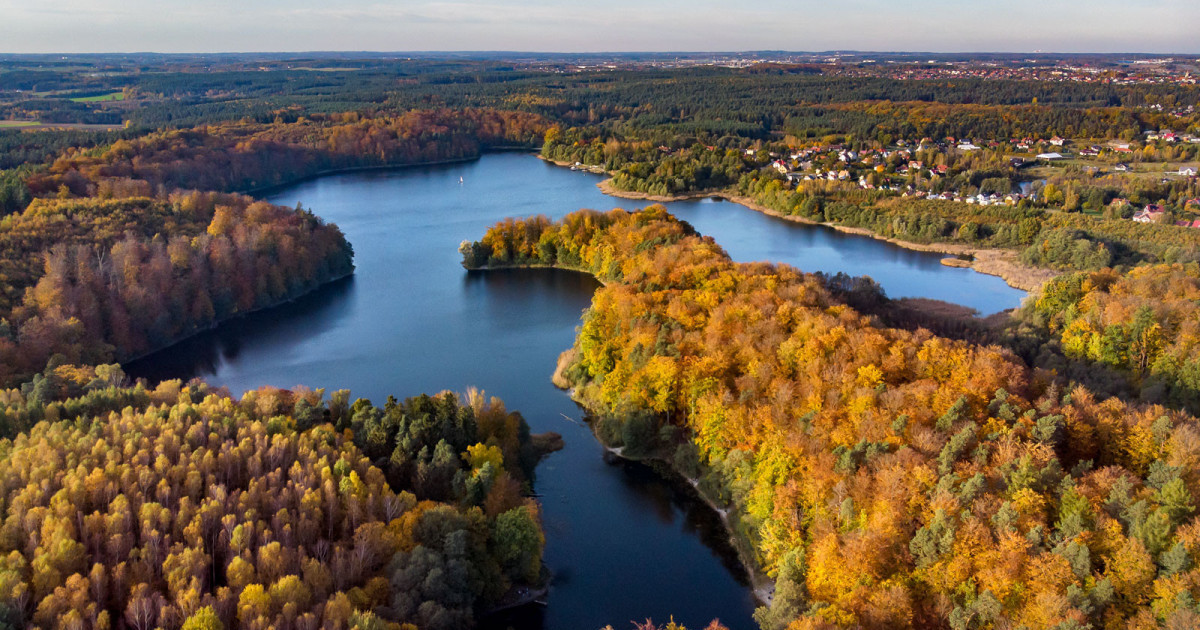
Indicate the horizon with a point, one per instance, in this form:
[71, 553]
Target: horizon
[622, 26]
[584, 53]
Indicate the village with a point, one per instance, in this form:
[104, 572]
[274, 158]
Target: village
[923, 169]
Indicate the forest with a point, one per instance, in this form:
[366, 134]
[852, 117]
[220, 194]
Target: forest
[1131, 332]
[131, 505]
[90, 281]
[181, 92]
[119, 250]
[884, 478]
[179, 506]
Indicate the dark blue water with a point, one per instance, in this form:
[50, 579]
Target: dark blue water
[623, 544]
[751, 236]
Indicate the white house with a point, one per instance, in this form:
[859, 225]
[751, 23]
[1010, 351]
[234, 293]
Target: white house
[1150, 214]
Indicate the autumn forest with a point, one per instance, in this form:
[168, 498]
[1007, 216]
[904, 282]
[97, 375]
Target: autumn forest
[876, 464]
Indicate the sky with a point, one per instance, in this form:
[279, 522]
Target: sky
[71, 26]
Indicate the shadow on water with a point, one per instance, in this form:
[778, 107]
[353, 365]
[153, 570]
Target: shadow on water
[665, 494]
[503, 294]
[666, 498]
[202, 355]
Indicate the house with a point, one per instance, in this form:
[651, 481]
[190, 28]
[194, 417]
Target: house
[968, 146]
[780, 166]
[1057, 141]
[1122, 168]
[1050, 156]
[1187, 171]
[1149, 214]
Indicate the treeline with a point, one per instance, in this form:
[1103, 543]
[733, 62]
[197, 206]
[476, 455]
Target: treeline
[247, 156]
[747, 102]
[751, 104]
[884, 478]
[645, 167]
[19, 148]
[888, 120]
[186, 508]
[1141, 325]
[121, 278]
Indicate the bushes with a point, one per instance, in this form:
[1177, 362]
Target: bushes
[1065, 248]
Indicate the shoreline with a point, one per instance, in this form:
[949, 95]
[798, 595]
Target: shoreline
[1001, 263]
[537, 266]
[356, 169]
[221, 322]
[762, 586]
[522, 595]
[383, 167]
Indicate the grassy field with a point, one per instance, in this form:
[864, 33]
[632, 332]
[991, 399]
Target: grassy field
[102, 98]
[9, 124]
[1142, 170]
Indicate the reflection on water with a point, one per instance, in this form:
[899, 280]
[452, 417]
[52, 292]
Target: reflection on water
[202, 355]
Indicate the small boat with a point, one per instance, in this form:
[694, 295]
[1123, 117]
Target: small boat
[460, 180]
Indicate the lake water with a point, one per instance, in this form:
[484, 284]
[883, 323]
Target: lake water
[623, 544]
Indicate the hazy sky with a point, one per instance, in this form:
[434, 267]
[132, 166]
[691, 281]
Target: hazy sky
[613, 25]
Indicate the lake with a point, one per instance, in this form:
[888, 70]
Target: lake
[623, 544]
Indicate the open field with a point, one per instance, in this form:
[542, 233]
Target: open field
[100, 98]
[1152, 170]
[33, 125]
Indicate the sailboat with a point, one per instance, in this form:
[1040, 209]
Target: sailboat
[460, 180]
